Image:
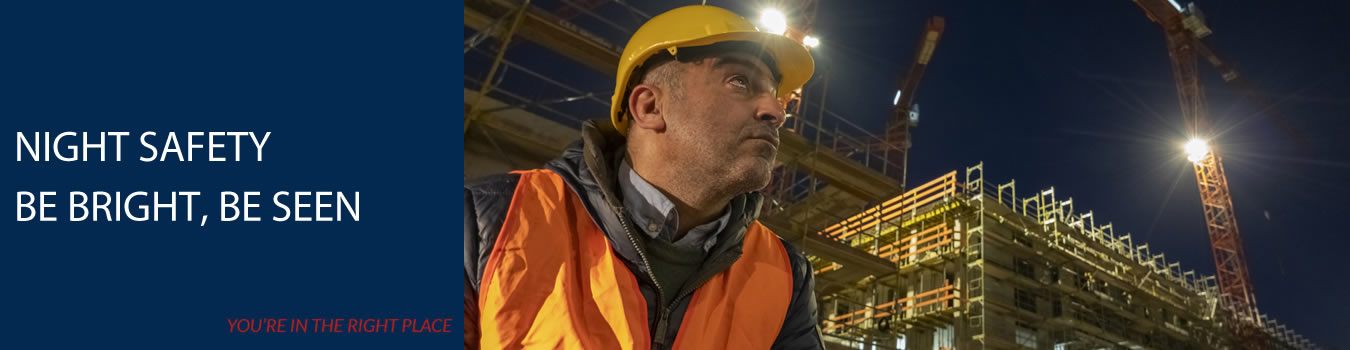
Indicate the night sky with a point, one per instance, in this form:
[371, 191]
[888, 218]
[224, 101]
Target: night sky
[1079, 95]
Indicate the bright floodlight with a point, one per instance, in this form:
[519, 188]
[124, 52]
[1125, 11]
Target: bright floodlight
[1175, 5]
[1196, 150]
[773, 21]
[810, 41]
[896, 100]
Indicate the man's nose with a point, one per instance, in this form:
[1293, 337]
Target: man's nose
[768, 109]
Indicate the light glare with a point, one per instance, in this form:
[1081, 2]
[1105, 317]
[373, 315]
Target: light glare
[810, 41]
[773, 20]
[1196, 149]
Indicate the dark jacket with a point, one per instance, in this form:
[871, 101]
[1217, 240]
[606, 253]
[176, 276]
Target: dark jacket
[588, 168]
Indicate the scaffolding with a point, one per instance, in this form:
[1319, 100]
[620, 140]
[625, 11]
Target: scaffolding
[953, 263]
[977, 267]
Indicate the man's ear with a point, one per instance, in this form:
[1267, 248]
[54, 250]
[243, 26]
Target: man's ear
[644, 106]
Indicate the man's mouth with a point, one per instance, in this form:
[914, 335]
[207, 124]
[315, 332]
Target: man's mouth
[771, 139]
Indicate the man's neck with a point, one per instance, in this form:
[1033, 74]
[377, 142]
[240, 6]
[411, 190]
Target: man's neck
[695, 203]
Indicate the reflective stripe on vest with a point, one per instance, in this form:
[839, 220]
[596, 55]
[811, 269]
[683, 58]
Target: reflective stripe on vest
[552, 281]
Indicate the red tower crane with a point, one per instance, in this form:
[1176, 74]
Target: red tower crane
[904, 113]
[1183, 28]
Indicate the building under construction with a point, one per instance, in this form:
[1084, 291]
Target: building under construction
[976, 265]
[963, 261]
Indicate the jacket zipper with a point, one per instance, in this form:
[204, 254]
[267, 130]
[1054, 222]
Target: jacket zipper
[684, 292]
[671, 308]
[659, 338]
[688, 292]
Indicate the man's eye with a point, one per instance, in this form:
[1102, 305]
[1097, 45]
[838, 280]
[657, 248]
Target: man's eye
[740, 82]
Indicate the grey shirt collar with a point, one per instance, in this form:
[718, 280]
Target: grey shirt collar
[655, 214]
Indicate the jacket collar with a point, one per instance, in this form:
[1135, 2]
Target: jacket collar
[590, 167]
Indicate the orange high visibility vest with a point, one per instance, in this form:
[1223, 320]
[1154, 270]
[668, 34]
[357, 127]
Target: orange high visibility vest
[552, 281]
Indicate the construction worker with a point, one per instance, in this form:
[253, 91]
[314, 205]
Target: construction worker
[644, 233]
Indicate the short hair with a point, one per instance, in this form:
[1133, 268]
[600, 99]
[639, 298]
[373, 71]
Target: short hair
[664, 74]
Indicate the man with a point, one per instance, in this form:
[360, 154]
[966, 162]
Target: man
[644, 233]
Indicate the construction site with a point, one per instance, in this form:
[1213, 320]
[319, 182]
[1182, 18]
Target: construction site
[966, 260]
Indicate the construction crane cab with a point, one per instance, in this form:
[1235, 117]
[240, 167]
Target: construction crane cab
[1194, 20]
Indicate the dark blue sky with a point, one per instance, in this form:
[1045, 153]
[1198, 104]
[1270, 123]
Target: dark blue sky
[1079, 95]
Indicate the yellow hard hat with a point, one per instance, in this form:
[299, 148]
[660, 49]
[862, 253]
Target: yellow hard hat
[700, 25]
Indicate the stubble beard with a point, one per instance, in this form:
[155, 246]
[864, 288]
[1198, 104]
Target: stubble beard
[725, 171]
[746, 173]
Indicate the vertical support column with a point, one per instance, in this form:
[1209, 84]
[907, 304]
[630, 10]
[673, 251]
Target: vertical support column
[974, 291]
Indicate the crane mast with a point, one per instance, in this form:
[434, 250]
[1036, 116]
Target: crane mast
[1183, 28]
[904, 113]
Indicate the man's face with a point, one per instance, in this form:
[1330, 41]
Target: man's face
[725, 124]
